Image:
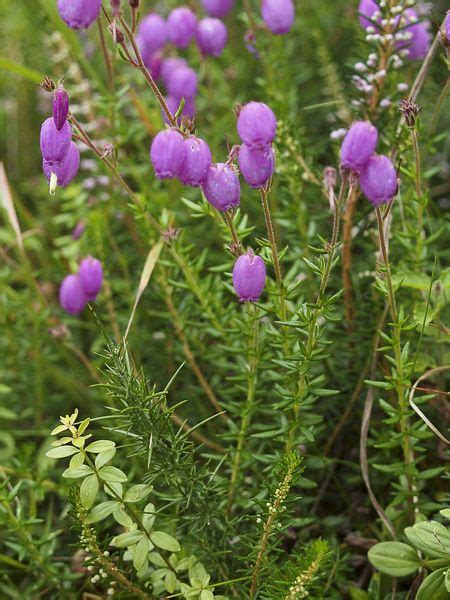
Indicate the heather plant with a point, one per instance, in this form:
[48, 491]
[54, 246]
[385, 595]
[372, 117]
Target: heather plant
[231, 276]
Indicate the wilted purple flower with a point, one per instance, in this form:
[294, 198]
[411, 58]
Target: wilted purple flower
[152, 33]
[169, 65]
[78, 230]
[167, 153]
[211, 36]
[182, 83]
[221, 187]
[249, 277]
[217, 8]
[72, 296]
[174, 103]
[278, 15]
[79, 14]
[64, 171]
[418, 44]
[181, 25]
[378, 179]
[90, 273]
[366, 9]
[358, 145]
[60, 107]
[197, 160]
[257, 164]
[256, 124]
[55, 144]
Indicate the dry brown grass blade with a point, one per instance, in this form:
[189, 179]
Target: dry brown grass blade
[8, 203]
[417, 410]
[152, 259]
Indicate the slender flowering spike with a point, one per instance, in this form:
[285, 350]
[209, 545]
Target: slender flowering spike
[55, 144]
[366, 9]
[167, 153]
[256, 164]
[152, 33]
[217, 8]
[169, 65]
[79, 14]
[378, 179]
[221, 187]
[72, 296]
[90, 273]
[197, 160]
[182, 83]
[249, 277]
[278, 15]
[60, 107]
[181, 25]
[211, 36]
[174, 104]
[256, 124]
[63, 172]
[358, 145]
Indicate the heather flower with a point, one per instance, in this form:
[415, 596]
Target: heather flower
[221, 187]
[174, 104]
[358, 145]
[182, 83]
[256, 124]
[72, 296]
[217, 8]
[79, 14]
[153, 62]
[367, 9]
[55, 144]
[278, 15]
[197, 160]
[211, 36]
[63, 172]
[60, 107]
[417, 46]
[167, 153]
[446, 30]
[378, 179]
[152, 33]
[181, 25]
[169, 65]
[249, 277]
[90, 273]
[257, 164]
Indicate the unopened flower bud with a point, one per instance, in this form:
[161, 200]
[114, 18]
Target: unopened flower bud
[133, 3]
[60, 107]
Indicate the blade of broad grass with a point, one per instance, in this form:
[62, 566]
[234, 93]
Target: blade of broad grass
[6, 200]
[73, 40]
[17, 69]
[152, 259]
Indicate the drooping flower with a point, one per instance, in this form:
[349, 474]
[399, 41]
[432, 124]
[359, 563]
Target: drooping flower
[79, 14]
[181, 25]
[221, 187]
[197, 160]
[217, 8]
[278, 15]
[65, 171]
[55, 144]
[152, 33]
[249, 277]
[169, 65]
[256, 124]
[378, 179]
[182, 83]
[211, 36]
[72, 296]
[90, 273]
[167, 153]
[60, 107]
[257, 164]
[358, 145]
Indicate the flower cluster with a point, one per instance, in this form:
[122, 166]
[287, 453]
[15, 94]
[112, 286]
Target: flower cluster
[377, 175]
[60, 155]
[83, 287]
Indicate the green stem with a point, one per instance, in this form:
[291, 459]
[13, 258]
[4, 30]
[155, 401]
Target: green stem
[420, 200]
